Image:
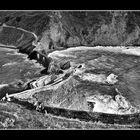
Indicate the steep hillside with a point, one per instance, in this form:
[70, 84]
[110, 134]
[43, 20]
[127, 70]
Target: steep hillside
[57, 29]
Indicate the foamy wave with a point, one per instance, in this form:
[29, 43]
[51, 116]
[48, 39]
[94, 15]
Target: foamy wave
[132, 50]
[9, 64]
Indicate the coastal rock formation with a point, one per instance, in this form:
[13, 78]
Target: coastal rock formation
[60, 29]
[91, 67]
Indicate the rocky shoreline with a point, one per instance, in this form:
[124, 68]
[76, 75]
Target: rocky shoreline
[63, 73]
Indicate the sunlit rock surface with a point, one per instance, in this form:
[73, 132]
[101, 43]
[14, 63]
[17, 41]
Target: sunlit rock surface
[106, 104]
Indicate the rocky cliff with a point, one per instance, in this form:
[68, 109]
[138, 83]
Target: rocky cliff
[61, 29]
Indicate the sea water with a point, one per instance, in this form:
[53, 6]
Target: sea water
[16, 67]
